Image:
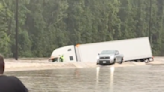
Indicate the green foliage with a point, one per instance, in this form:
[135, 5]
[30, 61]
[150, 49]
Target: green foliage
[45, 25]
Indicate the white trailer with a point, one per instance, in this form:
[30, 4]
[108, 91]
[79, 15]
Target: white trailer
[133, 50]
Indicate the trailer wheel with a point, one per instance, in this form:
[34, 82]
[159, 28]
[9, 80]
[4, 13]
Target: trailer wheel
[135, 60]
[142, 60]
[147, 61]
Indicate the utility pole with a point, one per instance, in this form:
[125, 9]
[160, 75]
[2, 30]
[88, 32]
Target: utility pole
[16, 31]
[150, 8]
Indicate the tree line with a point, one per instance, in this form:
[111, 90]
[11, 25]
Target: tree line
[48, 24]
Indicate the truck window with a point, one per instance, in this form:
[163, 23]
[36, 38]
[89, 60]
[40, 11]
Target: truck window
[71, 58]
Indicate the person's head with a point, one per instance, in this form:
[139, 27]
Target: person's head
[2, 65]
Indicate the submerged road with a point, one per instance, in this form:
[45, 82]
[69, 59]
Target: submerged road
[147, 78]
[88, 77]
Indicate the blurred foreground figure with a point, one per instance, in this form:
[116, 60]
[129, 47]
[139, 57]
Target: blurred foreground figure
[9, 83]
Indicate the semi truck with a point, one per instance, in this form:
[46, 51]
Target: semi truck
[134, 49]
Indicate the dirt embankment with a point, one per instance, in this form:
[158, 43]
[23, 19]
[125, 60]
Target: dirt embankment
[39, 64]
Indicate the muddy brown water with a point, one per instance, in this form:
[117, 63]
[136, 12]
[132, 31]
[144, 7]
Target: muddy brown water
[102, 79]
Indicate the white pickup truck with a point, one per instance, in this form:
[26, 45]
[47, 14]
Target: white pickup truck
[110, 57]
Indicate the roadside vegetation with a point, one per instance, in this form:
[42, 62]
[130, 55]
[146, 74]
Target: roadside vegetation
[48, 24]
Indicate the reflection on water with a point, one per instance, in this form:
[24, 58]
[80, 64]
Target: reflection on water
[101, 79]
[111, 77]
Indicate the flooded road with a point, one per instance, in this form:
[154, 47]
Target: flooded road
[101, 79]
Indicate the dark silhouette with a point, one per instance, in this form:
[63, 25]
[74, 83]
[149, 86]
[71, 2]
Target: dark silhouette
[9, 83]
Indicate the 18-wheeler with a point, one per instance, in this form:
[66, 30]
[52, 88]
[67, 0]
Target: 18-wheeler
[134, 49]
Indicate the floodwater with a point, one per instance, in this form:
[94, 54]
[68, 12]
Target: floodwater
[101, 79]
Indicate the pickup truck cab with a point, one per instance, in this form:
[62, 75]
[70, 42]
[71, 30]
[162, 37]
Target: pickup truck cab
[109, 57]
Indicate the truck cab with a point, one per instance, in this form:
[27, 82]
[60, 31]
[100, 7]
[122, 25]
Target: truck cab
[67, 51]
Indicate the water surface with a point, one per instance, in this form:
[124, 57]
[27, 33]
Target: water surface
[102, 79]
